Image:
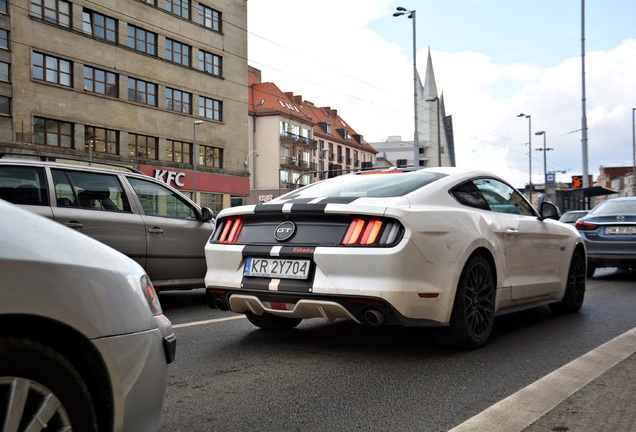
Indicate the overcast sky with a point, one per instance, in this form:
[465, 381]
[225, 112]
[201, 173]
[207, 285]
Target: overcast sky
[493, 59]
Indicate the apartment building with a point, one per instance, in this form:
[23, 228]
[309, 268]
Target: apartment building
[293, 142]
[158, 85]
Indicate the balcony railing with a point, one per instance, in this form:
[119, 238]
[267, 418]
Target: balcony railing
[290, 137]
[292, 162]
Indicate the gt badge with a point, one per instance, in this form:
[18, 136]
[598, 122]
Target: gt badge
[285, 231]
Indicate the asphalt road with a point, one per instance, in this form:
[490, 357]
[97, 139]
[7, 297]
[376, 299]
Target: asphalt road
[230, 376]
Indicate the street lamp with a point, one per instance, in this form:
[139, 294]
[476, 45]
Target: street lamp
[544, 150]
[416, 145]
[529, 117]
[195, 157]
[439, 137]
[634, 152]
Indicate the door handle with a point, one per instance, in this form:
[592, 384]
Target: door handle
[155, 230]
[512, 232]
[74, 224]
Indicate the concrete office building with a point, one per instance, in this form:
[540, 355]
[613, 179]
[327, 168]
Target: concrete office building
[140, 83]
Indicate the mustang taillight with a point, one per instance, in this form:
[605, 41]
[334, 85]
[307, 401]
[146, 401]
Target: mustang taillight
[230, 230]
[371, 232]
[585, 226]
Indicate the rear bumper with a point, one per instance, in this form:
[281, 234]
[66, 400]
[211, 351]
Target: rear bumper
[360, 309]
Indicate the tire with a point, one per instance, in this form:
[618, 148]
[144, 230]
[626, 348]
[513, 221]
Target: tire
[591, 268]
[35, 378]
[575, 286]
[272, 322]
[473, 312]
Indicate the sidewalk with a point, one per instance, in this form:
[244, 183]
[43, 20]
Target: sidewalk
[608, 403]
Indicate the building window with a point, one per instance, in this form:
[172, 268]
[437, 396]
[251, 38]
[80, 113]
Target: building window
[4, 72]
[179, 7]
[178, 151]
[210, 108]
[211, 200]
[210, 63]
[151, 2]
[4, 39]
[100, 81]
[210, 156]
[142, 92]
[100, 26]
[3, 6]
[102, 140]
[5, 106]
[54, 11]
[142, 40]
[210, 18]
[52, 69]
[177, 100]
[142, 146]
[177, 52]
[53, 132]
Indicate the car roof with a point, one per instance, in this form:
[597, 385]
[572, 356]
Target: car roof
[95, 165]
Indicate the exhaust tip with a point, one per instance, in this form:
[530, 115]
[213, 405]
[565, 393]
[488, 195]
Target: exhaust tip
[374, 317]
[220, 304]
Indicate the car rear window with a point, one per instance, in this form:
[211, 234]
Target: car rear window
[615, 207]
[381, 184]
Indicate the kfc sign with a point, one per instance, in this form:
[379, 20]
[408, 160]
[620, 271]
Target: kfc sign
[168, 177]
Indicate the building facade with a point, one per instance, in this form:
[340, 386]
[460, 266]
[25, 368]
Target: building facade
[159, 85]
[293, 143]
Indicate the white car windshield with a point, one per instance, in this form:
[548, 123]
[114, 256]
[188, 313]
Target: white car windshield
[382, 184]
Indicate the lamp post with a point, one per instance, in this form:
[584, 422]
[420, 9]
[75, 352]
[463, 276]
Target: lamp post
[439, 137]
[195, 157]
[634, 152]
[545, 164]
[529, 117]
[416, 145]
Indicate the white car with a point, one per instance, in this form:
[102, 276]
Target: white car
[84, 344]
[443, 247]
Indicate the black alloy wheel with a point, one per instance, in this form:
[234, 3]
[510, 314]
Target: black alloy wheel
[473, 312]
[575, 286]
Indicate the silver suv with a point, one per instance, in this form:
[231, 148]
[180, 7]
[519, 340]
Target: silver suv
[145, 219]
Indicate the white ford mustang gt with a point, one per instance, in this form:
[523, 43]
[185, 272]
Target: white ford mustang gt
[436, 247]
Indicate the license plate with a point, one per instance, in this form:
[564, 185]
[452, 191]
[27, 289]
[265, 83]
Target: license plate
[621, 230]
[277, 268]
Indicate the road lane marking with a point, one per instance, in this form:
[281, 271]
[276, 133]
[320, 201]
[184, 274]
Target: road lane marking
[520, 410]
[196, 323]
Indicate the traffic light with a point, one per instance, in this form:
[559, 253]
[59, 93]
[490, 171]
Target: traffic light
[577, 181]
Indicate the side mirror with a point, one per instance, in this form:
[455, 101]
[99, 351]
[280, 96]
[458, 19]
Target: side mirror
[206, 214]
[547, 210]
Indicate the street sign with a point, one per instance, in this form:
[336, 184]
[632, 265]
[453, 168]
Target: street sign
[550, 178]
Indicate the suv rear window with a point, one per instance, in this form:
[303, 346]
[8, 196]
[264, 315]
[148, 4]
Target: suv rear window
[23, 185]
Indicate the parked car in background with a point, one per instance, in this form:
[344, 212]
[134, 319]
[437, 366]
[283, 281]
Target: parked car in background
[84, 344]
[436, 247]
[141, 217]
[572, 216]
[609, 231]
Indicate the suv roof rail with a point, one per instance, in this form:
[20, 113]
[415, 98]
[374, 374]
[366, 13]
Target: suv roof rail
[56, 158]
